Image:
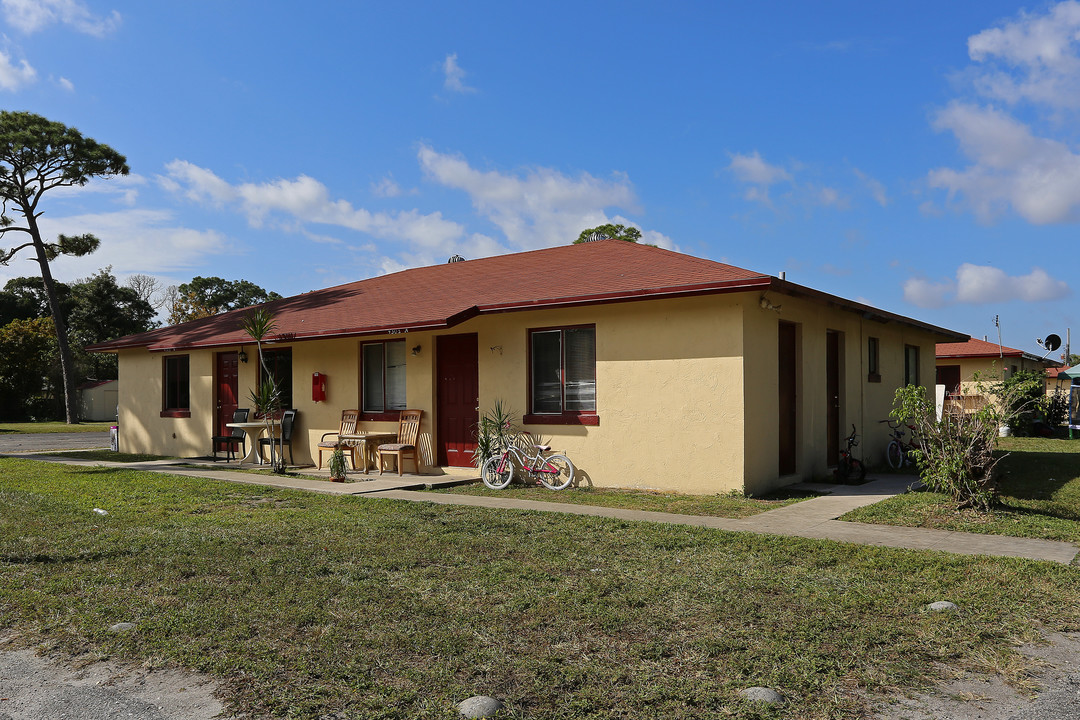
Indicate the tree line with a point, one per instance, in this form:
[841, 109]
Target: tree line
[94, 309]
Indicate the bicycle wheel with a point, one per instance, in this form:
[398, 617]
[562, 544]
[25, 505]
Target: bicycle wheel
[856, 470]
[495, 478]
[894, 455]
[557, 472]
[843, 470]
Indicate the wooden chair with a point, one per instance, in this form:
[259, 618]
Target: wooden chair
[238, 437]
[408, 430]
[288, 420]
[348, 427]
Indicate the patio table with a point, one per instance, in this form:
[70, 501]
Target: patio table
[362, 442]
[253, 430]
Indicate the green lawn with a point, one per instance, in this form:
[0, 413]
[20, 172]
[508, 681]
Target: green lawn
[726, 506]
[107, 456]
[307, 605]
[53, 427]
[1040, 496]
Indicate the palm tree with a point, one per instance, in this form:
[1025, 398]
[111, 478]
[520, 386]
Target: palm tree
[266, 397]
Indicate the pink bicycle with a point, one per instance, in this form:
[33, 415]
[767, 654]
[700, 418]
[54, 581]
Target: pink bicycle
[555, 472]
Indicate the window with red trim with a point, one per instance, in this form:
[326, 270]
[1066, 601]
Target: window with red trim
[562, 375]
[382, 381]
[176, 397]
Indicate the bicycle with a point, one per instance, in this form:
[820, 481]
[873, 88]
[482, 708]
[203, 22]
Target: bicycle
[850, 469]
[899, 453]
[555, 472]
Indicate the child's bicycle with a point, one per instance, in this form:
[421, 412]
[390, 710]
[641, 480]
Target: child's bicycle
[850, 469]
[555, 472]
[899, 452]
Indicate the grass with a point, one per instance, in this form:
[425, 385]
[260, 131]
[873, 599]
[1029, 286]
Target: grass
[1040, 497]
[306, 605]
[30, 428]
[727, 505]
[107, 456]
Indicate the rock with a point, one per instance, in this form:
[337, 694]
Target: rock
[942, 606]
[762, 694]
[122, 627]
[479, 706]
[99, 511]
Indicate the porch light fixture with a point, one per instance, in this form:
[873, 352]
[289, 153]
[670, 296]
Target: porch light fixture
[416, 351]
[242, 356]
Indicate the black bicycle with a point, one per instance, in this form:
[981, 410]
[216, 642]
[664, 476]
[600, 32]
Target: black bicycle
[850, 469]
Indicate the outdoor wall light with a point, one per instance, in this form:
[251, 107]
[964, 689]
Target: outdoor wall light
[242, 356]
[416, 351]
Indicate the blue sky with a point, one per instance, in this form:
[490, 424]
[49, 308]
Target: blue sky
[922, 157]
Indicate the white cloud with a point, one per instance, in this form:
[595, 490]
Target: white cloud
[132, 241]
[386, 188]
[540, 207]
[33, 15]
[877, 190]
[983, 284]
[1039, 178]
[14, 75]
[455, 76]
[752, 169]
[1032, 65]
[1037, 55]
[760, 176]
[66, 84]
[306, 200]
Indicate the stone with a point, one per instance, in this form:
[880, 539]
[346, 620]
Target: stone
[942, 606]
[762, 694]
[122, 627]
[479, 706]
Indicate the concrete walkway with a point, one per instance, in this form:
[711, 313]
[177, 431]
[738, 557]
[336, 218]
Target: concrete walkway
[814, 518]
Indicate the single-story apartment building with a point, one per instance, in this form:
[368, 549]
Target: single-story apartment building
[648, 368]
[961, 366]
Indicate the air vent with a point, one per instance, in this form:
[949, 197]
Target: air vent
[456, 258]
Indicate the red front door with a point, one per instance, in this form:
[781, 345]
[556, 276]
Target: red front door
[457, 396]
[227, 373]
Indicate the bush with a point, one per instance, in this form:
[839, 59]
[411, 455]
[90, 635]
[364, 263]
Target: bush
[495, 432]
[956, 452]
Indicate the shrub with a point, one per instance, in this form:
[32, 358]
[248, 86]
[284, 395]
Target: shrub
[956, 452]
[495, 432]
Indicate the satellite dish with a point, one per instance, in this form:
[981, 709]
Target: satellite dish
[1052, 342]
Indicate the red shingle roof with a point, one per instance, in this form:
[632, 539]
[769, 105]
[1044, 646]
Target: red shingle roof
[976, 348]
[441, 296]
[981, 348]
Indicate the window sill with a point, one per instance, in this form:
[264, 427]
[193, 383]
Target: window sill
[176, 413]
[591, 420]
[873, 377]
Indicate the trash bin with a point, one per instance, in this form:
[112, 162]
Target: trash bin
[114, 438]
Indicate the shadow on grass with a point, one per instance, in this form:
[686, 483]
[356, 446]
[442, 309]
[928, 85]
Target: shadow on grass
[60, 559]
[1030, 475]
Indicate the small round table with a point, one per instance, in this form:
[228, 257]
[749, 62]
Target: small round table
[253, 430]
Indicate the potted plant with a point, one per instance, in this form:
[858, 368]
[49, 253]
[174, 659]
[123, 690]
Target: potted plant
[337, 465]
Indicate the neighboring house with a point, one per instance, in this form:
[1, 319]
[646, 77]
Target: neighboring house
[98, 400]
[649, 368]
[1057, 380]
[959, 362]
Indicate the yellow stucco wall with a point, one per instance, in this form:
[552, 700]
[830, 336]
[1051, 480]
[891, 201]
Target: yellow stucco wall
[862, 402]
[686, 389]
